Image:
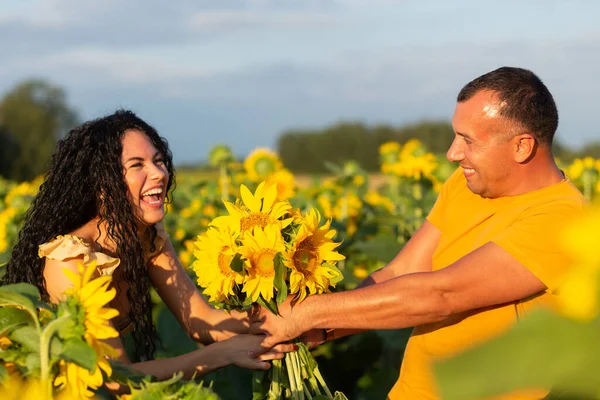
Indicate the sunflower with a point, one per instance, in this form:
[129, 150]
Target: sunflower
[311, 258]
[259, 249]
[261, 163]
[579, 290]
[86, 302]
[284, 181]
[214, 251]
[15, 387]
[258, 209]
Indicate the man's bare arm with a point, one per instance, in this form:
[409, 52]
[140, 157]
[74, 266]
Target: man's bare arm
[415, 256]
[488, 276]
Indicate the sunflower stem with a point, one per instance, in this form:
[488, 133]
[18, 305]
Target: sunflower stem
[289, 363]
[45, 338]
[322, 382]
[297, 374]
[305, 356]
[224, 182]
[275, 390]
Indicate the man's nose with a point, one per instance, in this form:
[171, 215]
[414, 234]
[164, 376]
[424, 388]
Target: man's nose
[455, 153]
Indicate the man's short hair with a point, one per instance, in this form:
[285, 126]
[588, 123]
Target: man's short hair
[523, 97]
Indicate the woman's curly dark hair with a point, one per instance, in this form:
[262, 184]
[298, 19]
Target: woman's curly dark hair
[85, 181]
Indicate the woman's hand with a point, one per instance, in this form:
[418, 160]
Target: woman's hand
[242, 350]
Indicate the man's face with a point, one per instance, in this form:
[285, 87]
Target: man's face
[481, 146]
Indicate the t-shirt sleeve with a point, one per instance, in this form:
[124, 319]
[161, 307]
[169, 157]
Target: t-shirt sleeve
[534, 241]
[436, 215]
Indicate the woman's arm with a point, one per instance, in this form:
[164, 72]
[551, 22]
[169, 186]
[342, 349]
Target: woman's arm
[204, 360]
[199, 362]
[203, 323]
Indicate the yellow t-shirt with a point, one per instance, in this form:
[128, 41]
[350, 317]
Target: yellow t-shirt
[524, 226]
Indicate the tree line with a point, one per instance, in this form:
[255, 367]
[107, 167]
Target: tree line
[306, 151]
[34, 115]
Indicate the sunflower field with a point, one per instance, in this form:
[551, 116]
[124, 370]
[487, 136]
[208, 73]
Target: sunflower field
[373, 215]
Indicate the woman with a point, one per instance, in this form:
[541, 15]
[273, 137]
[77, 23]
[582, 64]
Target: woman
[103, 199]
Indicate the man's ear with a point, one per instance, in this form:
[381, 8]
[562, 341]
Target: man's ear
[525, 147]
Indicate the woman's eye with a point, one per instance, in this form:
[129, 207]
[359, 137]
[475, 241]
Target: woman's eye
[135, 165]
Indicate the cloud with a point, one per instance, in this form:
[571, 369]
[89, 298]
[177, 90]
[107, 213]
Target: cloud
[45, 27]
[218, 20]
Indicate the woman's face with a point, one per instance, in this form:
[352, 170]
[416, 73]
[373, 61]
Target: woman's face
[146, 176]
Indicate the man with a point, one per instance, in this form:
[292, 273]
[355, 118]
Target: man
[484, 255]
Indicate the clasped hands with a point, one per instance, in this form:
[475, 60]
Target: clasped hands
[283, 327]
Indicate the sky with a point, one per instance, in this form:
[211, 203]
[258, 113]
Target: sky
[242, 72]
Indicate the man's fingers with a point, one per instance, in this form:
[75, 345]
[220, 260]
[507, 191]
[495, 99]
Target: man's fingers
[268, 342]
[284, 348]
[272, 355]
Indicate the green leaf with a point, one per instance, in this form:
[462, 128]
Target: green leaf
[334, 168]
[13, 295]
[543, 350]
[32, 361]
[3, 372]
[381, 248]
[260, 385]
[27, 336]
[79, 352]
[279, 281]
[11, 317]
[124, 374]
[56, 347]
[237, 263]
[268, 305]
[247, 302]
[338, 278]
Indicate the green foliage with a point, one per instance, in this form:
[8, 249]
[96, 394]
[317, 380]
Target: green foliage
[33, 115]
[173, 388]
[543, 350]
[306, 151]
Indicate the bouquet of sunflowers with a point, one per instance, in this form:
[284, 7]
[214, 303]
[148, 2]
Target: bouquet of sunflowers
[260, 253]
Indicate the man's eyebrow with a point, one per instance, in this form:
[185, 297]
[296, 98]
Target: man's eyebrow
[464, 135]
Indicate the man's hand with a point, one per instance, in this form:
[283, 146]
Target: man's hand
[277, 328]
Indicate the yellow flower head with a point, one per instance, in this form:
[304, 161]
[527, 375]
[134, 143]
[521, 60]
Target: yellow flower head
[579, 291]
[311, 257]
[283, 180]
[259, 209]
[4, 342]
[575, 170]
[412, 148]
[259, 249]
[261, 163]
[86, 301]
[389, 147]
[214, 251]
[15, 387]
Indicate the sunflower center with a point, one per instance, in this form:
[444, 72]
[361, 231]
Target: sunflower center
[264, 166]
[224, 262]
[254, 219]
[263, 264]
[306, 257]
